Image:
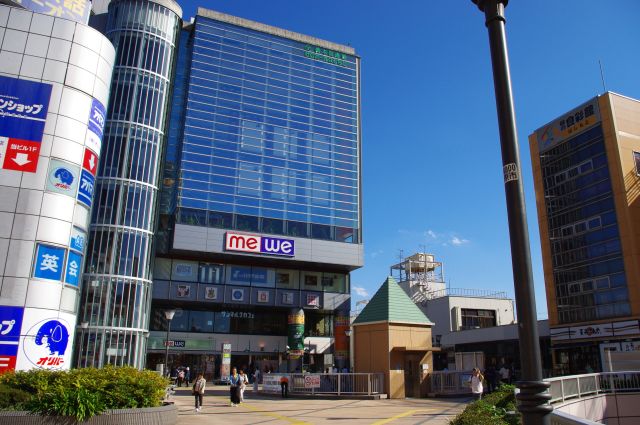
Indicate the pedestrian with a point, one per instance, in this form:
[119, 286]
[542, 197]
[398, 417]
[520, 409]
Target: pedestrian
[243, 381]
[284, 386]
[180, 377]
[492, 377]
[187, 376]
[234, 389]
[476, 383]
[256, 377]
[504, 373]
[198, 391]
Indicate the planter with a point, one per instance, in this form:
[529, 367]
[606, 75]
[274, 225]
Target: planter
[164, 415]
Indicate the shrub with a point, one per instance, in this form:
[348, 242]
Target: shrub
[83, 393]
[12, 398]
[493, 409]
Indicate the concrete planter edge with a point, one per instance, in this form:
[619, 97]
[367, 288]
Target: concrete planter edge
[162, 415]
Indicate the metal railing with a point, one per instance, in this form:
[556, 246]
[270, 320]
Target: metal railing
[465, 292]
[450, 382]
[577, 386]
[338, 383]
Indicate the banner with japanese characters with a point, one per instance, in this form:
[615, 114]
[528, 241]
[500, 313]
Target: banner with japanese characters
[23, 112]
[570, 124]
[47, 340]
[75, 10]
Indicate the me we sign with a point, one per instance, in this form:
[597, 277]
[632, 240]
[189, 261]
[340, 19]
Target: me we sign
[259, 244]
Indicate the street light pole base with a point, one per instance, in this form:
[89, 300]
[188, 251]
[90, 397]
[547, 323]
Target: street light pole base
[533, 397]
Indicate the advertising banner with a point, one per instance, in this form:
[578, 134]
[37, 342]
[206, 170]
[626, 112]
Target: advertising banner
[75, 10]
[10, 325]
[23, 112]
[295, 333]
[95, 129]
[225, 366]
[570, 124]
[47, 340]
[341, 342]
[259, 244]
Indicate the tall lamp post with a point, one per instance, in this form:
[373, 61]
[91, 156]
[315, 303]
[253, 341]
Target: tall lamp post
[533, 396]
[168, 314]
[348, 333]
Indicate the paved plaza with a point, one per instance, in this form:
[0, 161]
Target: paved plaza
[259, 409]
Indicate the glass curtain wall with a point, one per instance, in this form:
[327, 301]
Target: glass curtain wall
[116, 292]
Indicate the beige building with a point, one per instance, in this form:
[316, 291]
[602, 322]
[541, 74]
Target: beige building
[586, 167]
[393, 336]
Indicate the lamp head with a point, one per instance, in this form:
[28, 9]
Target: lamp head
[168, 314]
[482, 3]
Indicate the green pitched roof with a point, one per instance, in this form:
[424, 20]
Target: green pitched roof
[391, 304]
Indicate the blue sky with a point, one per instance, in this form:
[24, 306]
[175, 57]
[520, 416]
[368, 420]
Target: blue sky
[432, 173]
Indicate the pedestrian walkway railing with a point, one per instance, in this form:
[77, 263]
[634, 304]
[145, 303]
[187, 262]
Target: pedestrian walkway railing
[565, 388]
[452, 382]
[337, 383]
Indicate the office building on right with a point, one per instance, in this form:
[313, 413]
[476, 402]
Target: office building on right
[586, 166]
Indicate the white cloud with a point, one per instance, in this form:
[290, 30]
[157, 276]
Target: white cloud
[431, 233]
[458, 241]
[374, 254]
[361, 291]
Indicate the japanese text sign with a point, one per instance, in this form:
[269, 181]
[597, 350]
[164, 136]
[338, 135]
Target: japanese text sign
[49, 262]
[76, 10]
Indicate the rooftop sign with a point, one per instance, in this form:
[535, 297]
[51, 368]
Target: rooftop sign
[570, 124]
[259, 244]
[325, 55]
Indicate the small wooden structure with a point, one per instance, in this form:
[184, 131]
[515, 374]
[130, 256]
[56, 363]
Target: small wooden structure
[393, 336]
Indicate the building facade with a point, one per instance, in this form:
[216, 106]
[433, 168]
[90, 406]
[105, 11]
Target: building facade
[116, 293]
[586, 167]
[54, 87]
[260, 215]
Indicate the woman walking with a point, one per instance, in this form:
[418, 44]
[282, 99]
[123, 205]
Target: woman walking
[476, 383]
[234, 390]
[244, 381]
[198, 391]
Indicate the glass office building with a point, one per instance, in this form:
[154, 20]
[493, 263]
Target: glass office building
[261, 205]
[584, 169]
[117, 280]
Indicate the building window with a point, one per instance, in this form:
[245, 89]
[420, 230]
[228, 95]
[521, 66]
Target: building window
[475, 318]
[636, 159]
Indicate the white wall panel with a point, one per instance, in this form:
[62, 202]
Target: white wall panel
[6, 224]
[54, 231]
[59, 49]
[54, 71]
[70, 129]
[19, 258]
[54, 103]
[4, 16]
[37, 45]
[84, 57]
[14, 41]
[66, 149]
[81, 217]
[101, 91]
[4, 250]
[36, 180]
[43, 294]
[104, 70]
[45, 145]
[80, 79]
[75, 104]
[19, 19]
[10, 62]
[107, 51]
[63, 29]
[2, 30]
[8, 196]
[29, 201]
[14, 291]
[69, 299]
[88, 37]
[32, 67]
[58, 206]
[41, 24]
[24, 227]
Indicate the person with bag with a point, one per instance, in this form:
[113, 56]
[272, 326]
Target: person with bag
[476, 383]
[234, 389]
[198, 391]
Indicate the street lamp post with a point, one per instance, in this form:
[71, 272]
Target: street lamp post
[168, 314]
[348, 333]
[533, 396]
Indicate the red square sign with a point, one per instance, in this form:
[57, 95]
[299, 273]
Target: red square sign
[21, 155]
[90, 161]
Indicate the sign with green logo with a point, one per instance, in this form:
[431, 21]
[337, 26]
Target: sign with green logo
[325, 55]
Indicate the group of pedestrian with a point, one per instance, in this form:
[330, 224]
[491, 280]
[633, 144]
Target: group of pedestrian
[182, 375]
[239, 382]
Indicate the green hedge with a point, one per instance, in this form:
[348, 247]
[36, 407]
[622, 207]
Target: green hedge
[81, 393]
[497, 408]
